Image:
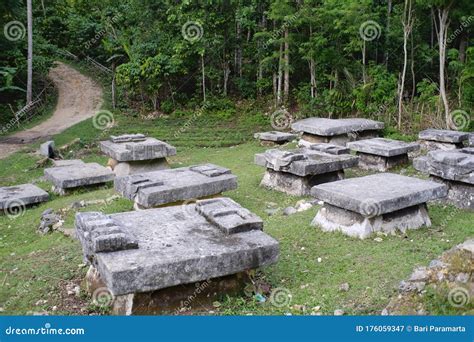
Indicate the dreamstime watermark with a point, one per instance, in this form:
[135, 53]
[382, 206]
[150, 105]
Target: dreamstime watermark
[370, 208]
[14, 208]
[102, 32]
[21, 113]
[459, 119]
[200, 287]
[280, 297]
[281, 119]
[370, 30]
[464, 24]
[46, 330]
[14, 30]
[196, 115]
[188, 209]
[275, 35]
[103, 119]
[459, 297]
[192, 31]
[102, 297]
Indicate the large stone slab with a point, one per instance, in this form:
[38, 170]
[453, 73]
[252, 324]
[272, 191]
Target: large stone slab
[443, 135]
[303, 162]
[383, 147]
[378, 194]
[73, 176]
[158, 248]
[132, 148]
[21, 195]
[167, 186]
[327, 148]
[331, 127]
[275, 136]
[455, 165]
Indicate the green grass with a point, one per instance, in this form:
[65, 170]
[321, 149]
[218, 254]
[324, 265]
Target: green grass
[34, 267]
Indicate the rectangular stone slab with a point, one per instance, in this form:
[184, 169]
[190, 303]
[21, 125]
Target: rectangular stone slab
[443, 135]
[303, 162]
[65, 177]
[275, 136]
[383, 147]
[167, 186]
[177, 245]
[329, 148]
[330, 127]
[21, 195]
[378, 194]
[68, 162]
[456, 165]
[147, 149]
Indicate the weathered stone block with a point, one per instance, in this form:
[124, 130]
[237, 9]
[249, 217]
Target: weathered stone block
[443, 136]
[73, 176]
[122, 169]
[47, 149]
[176, 245]
[126, 149]
[380, 163]
[174, 185]
[275, 137]
[383, 147]
[22, 195]
[382, 202]
[332, 127]
[68, 162]
[324, 147]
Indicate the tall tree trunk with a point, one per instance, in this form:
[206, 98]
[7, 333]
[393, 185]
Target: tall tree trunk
[412, 67]
[203, 78]
[442, 32]
[286, 90]
[238, 49]
[280, 74]
[463, 43]
[364, 75]
[29, 84]
[387, 29]
[312, 68]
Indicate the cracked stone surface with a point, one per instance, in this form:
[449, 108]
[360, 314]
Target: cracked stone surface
[21, 195]
[131, 148]
[383, 147]
[443, 136]
[173, 185]
[159, 248]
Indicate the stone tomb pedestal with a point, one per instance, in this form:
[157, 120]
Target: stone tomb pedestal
[383, 202]
[455, 169]
[442, 139]
[295, 172]
[135, 153]
[382, 154]
[273, 138]
[135, 254]
[14, 199]
[77, 174]
[174, 185]
[336, 131]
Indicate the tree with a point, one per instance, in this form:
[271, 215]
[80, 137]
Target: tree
[29, 84]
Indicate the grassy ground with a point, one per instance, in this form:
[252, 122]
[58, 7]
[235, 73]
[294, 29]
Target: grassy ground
[312, 264]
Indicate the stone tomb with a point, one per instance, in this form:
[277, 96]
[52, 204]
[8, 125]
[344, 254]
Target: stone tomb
[135, 153]
[382, 154]
[74, 174]
[14, 199]
[145, 257]
[274, 138]
[168, 186]
[329, 148]
[336, 131]
[384, 202]
[295, 172]
[442, 139]
[455, 168]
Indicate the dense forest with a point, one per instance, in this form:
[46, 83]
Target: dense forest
[408, 63]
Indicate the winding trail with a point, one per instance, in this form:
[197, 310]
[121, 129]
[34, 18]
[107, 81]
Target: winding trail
[79, 97]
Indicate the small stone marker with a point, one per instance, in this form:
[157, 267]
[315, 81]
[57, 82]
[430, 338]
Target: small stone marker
[295, 172]
[382, 202]
[274, 138]
[382, 154]
[329, 148]
[336, 131]
[168, 186]
[47, 149]
[135, 153]
[455, 168]
[77, 175]
[14, 199]
[140, 254]
[442, 139]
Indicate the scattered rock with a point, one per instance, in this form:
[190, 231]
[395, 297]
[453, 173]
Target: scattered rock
[339, 312]
[303, 205]
[378, 239]
[41, 302]
[344, 287]
[272, 212]
[47, 149]
[289, 211]
[49, 222]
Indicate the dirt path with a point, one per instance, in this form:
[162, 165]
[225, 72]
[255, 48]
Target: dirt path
[79, 98]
